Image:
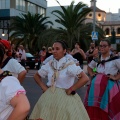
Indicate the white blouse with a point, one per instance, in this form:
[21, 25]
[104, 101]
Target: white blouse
[9, 87]
[14, 67]
[66, 77]
[111, 67]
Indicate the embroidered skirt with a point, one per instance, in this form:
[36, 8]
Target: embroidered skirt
[102, 100]
[59, 106]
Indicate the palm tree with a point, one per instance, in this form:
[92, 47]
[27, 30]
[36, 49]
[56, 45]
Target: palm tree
[72, 19]
[27, 28]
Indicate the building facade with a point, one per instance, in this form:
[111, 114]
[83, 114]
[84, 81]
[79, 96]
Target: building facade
[109, 22]
[12, 8]
[113, 16]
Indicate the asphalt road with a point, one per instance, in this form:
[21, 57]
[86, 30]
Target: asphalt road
[34, 91]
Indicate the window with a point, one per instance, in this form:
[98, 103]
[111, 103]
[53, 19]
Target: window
[31, 7]
[90, 15]
[41, 11]
[20, 5]
[99, 15]
[107, 31]
[118, 31]
[4, 4]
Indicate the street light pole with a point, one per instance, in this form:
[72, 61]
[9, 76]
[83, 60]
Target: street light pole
[94, 15]
[8, 30]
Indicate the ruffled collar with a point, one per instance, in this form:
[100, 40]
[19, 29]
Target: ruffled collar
[59, 64]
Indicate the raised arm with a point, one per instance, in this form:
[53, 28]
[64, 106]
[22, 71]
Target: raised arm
[83, 54]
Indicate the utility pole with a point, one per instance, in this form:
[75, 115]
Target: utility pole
[94, 33]
[94, 15]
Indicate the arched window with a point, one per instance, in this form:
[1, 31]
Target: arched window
[99, 15]
[107, 31]
[90, 15]
[118, 31]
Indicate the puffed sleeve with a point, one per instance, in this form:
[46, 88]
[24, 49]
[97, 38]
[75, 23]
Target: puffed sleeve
[13, 63]
[43, 71]
[12, 88]
[92, 64]
[47, 59]
[74, 70]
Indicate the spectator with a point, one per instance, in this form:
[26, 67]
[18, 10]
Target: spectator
[23, 55]
[49, 52]
[43, 54]
[13, 51]
[78, 54]
[92, 52]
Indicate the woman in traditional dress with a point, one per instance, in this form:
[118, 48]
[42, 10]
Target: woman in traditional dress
[59, 100]
[14, 104]
[11, 64]
[102, 100]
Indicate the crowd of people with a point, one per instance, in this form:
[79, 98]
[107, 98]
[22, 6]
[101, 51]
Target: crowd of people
[61, 66]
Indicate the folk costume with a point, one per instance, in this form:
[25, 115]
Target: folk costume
[13, 66]
[102, 100]
[9, 87]
[55, 104]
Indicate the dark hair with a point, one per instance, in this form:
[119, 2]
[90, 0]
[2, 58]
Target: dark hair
[105, 40]
[2, 52]
[63, 43]
[77, 43]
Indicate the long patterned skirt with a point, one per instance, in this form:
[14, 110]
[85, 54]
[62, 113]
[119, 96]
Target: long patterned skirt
[102, 100]
[59, 106]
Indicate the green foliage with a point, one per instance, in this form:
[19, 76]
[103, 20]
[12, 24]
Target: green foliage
[72, 18]
[27, 28]
[31, 31]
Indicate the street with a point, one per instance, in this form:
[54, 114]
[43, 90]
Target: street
[34, 91]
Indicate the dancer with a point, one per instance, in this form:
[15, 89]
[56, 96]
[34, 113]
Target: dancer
[14, 104]
[103, 96]
[59, 100]
[11, 64]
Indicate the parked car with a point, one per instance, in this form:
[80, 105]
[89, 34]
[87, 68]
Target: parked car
[30, 60]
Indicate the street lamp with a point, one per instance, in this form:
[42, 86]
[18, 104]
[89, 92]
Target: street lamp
[3, 34]
[8, 30]
[4, 25]
[94, 15]
[107, 36]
